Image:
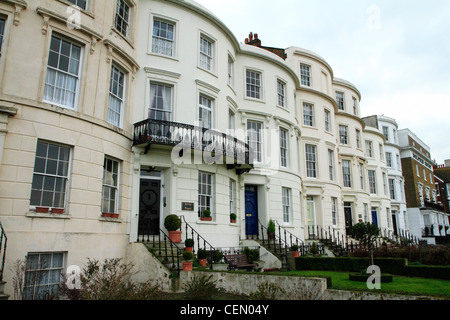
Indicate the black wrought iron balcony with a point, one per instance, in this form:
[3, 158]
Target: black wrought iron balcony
[220, 146]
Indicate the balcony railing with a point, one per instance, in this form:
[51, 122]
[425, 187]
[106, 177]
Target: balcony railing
[220, 146]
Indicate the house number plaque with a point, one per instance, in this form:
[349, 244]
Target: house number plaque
[187, 206]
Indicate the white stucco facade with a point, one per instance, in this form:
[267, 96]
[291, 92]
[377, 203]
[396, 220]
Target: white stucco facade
[127, 91]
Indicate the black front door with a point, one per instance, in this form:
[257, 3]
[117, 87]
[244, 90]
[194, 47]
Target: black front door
[348, 216]
[149, 207]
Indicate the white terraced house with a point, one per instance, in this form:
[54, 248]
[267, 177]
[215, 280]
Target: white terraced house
[117, 114]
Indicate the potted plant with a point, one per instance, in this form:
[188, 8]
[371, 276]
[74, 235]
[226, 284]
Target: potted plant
[187, 260]
[271, 230]
[206, 215]
[188, 243]
[202, 255]
[217, 256]
[172, 223]
[233, 217]
[294, 251]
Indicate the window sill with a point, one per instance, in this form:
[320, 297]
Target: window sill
[121, 35]
[33, 214]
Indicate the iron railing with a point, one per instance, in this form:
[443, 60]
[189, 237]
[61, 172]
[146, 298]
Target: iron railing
[3, 241]
[236, 153]
[199, 241]
[163, 246]
[282, 240]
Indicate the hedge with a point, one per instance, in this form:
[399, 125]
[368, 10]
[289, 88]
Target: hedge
[397, 266]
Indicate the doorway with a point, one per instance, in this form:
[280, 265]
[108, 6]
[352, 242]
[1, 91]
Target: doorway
[348, 216]
[375, 216]
[311, 212]
[251, 211]
[149, 207]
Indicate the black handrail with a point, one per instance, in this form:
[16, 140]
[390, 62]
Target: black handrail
[3, 241]
[171, 133]
[289, 238]
[198, 239]
[159, 242]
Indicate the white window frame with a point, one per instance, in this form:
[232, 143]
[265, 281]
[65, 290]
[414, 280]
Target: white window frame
[334, 211]
[163, 45]
[347, 173]
[206, 107]
[358, 138]
[206, 53]
[343, 134]
[284, 147]
[63, 164]
[59, 73]
[311, 160]
[254, 139]
[369, 148]
[281, 94]
[327, 120]
[372, 181]
[123, 19]
[287, 204]
[331, 164]
[340, 100]
[115, 96]
[392, 191]
[76, 3]
[161, 87]
[308, 114]
[230, 71]
[253, 84]
[305, 75]
[205, 192]
[3, 19]
[362, 176]
[39, 275]
[232, 195]
[111, 184]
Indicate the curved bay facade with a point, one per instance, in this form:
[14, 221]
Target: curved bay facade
[116, 114]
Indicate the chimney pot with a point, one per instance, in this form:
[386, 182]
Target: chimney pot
[251, 36]
[256, 36]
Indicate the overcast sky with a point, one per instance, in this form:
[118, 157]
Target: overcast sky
[396, 52]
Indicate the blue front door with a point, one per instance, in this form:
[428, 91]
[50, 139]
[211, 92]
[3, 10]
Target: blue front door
[251, 211]
[374, 217]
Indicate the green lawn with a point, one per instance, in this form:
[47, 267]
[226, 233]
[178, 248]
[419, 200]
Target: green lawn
[400, 285]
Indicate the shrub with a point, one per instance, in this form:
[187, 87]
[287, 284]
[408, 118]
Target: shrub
[172, 222]
[188, 256]
[217, 256]
[271, 227]
[189, 243]
[252, 254]
[201, 287]
[267, 291]
[202, 254]
[110, 280]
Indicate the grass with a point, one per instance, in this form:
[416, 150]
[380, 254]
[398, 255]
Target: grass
[399, 285]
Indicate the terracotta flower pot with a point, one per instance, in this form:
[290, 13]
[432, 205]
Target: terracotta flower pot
[188, 249]
[295, 254]
[42, 209]
[58, 210]
[187, 265]
[202, 262]
[206, 219]
[175, 236]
